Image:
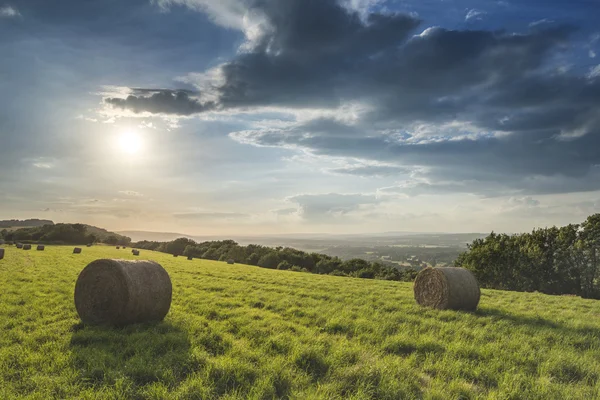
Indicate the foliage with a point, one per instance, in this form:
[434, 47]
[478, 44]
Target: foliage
[550, 260]
[242, 332]
[279, 258]
[27, 223]
[66, 234]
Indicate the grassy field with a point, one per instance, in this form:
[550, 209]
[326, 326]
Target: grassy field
[238, 332]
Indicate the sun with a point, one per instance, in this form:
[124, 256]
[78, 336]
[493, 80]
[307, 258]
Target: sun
[130, 142]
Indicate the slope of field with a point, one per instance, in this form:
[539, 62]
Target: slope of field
[239, 332]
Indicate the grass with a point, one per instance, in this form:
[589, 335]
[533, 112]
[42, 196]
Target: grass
[238, 332]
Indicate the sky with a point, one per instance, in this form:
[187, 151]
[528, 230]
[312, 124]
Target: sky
[298, 116]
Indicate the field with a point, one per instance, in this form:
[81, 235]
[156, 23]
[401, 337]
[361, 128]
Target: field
[238, 332]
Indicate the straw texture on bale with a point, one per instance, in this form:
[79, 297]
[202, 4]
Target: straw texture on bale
[1, 254]
[121, 292]
[19, 246]
[230, 261]
[77, 250]
[26, 247]
[447, 288]
[40, 247]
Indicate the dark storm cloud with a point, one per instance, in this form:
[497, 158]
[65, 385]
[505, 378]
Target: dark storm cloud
[309, 50]
[535, 161]
[529, 122]
[161, 101]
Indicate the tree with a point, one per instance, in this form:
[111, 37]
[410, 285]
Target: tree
[269, 260]
[284, 265]
[253, 259]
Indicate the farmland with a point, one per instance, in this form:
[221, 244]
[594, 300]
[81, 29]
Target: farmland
[237, 332]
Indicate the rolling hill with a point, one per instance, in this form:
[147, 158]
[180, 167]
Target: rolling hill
[242, 332]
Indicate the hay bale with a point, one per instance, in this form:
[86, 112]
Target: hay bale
[447, 288]
[230, 261]
[26, 247]
[174, 255]
[190, 258]
[19, 245]
[121, 292]
[135, 252]
[118, 247]
[1, 254]
[77, 250]
[89, 245]
[40, 247]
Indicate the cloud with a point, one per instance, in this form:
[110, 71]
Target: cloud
[211, 216]
[324, 207]
[474, 15]
[8, 11]
[485, 111]
[227, 13]
[527, 202]
[131, 193]
[161, 101]
[371, 170]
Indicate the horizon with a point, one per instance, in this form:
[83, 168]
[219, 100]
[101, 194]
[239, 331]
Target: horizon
[330, 117]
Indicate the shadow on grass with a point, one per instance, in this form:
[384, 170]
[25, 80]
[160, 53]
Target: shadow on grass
[142, 353]
[538, 322]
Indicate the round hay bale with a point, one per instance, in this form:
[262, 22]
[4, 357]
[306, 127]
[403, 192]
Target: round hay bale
[121, 292]
[40, 247]
[230, 261]
[135, 252]
[26, 247]
[118, 247]
[447, 288]
[190, 258]
[175, 255]
[77, 250]
[19, 245]
[89, 245]
[1, 254]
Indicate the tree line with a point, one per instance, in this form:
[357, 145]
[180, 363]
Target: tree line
[282, 258]
[64, 234]
[549, 260]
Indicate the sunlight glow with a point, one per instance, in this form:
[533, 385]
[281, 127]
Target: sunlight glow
[130, 142]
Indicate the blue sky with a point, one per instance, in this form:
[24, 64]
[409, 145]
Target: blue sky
[273, 116]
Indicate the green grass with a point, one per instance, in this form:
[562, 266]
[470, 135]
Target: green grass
[240, 332]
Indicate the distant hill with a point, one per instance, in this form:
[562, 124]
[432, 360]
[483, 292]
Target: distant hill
[64, 234]
[102, 233]
[27, 223]
[137, 236]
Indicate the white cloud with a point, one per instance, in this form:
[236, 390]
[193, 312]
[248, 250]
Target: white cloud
[474, 15]
[540, 22]
[131, 193]
[594, 72]
[8, 11]
[227, 13]
[592, 54]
